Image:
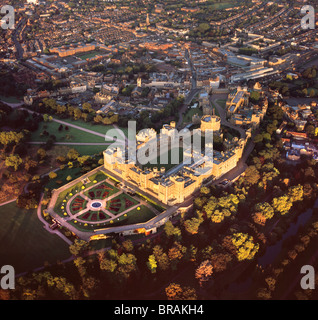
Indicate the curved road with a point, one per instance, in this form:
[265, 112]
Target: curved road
[222, 114]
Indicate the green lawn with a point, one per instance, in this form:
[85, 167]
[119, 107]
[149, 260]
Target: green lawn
[170, 163]
[10, 99]
[100, 128]
[89, 54]
[24, 243]
[191, 112]
[221, 102]
[71, 135]
[89, 150]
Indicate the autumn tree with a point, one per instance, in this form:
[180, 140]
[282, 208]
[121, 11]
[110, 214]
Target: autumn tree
[192, 225]
[78, 247]
[152, 263]
[296, 193]
[204, 272]
[245, 246]
[282, 204]
[72, 154]
[14, 161]
[10, 137]
[161, 258]
[174, 291]
[108, 265]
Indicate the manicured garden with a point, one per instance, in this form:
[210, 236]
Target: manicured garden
[101, 191]
[120, 203]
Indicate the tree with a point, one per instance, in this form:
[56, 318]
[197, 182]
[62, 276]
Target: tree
[174, 291]
[219, 261]
[13, 160]
[79, 263]
[83, 159]
[171, 230]
[128, 245]
[192, 225]
[126, 265]
[8, 137]
[282, 204]
[52, 175]
[205, 190]
[41, 153]
[252, 175]
[72, 154]
[204, 271]
[152, 263]
[29, 164]
[265, 209]
[296, 193]
[161, 258]
[78, 247]
[108, 265]
[245, 246]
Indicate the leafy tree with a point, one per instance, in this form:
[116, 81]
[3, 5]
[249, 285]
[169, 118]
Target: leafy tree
[266, 209]
[78, 247]
[204, 272]
[219, 261]
[41, 153]
[10, 137]
[152, 263]
[52, 175]
[73, 154]
[282, 204]
[13, 160]
[108, 265]
[296, 193]
[245, 246]
[128, 245]
[174, 291]
[252, 175]
[192, 225]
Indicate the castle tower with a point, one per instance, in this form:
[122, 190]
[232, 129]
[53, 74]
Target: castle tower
[210, 122]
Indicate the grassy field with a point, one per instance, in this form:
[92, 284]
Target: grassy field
[100, 128]
[71, 135]
[89, 150]
[168, 165]
[90, 54]
[188, 116]
[221, 102]
[9, 99]
[24, 243]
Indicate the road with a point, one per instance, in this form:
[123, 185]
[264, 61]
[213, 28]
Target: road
[16, 35]
[222, 114]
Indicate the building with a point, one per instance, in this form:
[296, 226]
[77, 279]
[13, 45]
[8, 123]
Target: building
[210, 122]
[175, 185]
[237, 99]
